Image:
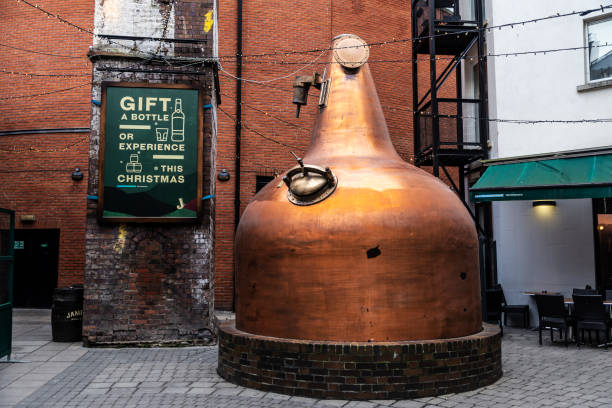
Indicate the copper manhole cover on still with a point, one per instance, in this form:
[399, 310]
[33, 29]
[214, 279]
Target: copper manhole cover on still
[351, 51]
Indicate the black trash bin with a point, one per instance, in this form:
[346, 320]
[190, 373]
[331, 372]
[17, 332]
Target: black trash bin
[67, 314]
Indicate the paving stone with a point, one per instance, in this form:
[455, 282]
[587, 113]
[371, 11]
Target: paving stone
[228, 391]
[201, 391]
[412, 404]
[331, 403]
[175, 390]
[548, 375]
[360, 404]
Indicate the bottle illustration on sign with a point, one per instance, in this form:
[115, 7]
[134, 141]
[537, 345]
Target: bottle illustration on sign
[162, 134]
[134, 166]
[178, 122]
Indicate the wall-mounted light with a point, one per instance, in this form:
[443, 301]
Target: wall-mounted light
[600, 227]
[27, 218]
[545, 203]
[77, 174]
[223, 175]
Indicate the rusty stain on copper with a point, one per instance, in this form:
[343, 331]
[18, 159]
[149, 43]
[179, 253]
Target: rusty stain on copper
[313, 280]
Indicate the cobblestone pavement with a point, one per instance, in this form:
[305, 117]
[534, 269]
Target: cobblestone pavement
[67, 375]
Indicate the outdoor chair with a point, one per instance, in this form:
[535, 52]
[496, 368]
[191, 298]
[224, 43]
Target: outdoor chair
[552, 315]
[494, 300]
[590, 315]
[522, 310]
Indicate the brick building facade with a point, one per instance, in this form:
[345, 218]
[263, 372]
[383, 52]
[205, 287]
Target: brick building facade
[150, 282]
[36, 168]
[44, 130]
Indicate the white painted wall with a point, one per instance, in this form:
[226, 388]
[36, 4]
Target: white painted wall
[543, 248]
[543, 86]
[138, 18]
[538, 252]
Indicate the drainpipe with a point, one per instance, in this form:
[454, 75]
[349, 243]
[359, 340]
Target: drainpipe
[238, 129]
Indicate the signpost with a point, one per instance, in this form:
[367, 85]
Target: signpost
[150, 153]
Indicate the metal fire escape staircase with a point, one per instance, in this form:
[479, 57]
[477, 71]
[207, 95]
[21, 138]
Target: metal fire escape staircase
[451, 131]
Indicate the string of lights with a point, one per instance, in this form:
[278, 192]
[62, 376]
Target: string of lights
[32, 149]
[271, 115]
[5, 98]
[33, 74]
[516, 121]
[601, 8]
[72, 87]
[273, 79]
[440, 58]
[42, 53]
[85, 30]
[314, 62]
[245, 126]
[49, 14]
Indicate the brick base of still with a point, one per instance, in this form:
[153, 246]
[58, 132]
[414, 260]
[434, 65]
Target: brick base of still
[360, 371]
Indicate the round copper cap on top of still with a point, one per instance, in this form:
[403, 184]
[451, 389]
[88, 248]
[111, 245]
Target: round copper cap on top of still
[351, 51]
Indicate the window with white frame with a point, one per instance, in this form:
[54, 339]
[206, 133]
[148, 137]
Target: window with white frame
[599, 49]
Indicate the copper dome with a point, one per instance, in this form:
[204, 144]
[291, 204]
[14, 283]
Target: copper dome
[390, 254]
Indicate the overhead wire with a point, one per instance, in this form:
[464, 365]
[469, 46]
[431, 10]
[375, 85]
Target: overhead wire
[245, 126]
[273, 79]
[42, 53]
[323, 50]
[4, 98]
[421, 38]
[378, 43]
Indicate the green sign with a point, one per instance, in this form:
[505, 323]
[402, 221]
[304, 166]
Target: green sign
[19, 245]
[150, 153]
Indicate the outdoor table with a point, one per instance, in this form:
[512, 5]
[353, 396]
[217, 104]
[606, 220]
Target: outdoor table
[567, 301]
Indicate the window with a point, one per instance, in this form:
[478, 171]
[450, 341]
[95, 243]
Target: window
[599, 49]
[261, 181]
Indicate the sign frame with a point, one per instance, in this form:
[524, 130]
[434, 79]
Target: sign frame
[102, 155]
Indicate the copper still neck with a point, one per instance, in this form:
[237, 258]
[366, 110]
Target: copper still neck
[352, 124]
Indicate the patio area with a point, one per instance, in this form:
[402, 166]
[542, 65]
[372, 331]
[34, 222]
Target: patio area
[66, 374]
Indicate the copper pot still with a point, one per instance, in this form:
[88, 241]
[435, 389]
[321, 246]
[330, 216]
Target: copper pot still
[356, 244]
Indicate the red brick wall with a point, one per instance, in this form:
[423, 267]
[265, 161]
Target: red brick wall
[297, 25]
[35, 169]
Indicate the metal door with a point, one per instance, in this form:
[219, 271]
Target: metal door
[7, 245]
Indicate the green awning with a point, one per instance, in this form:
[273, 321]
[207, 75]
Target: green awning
[573, 177]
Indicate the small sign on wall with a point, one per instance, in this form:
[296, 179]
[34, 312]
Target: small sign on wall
[150, 153]
[19, 245]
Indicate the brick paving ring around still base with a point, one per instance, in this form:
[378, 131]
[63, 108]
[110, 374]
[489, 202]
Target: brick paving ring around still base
[360, 370]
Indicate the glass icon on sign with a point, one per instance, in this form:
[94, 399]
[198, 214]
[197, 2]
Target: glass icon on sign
[178, 122]
[162, 134]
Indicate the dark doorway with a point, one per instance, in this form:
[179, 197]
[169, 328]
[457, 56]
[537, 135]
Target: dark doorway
[602, 214]
[35, 270]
